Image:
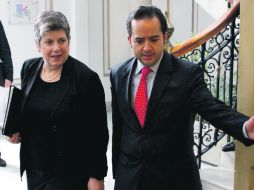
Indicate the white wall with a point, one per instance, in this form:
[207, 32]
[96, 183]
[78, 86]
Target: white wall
[20, 37]
[97, 39]
[190, 18]
[85, 18]
[77, 15]
[181, 18]
[202, 20]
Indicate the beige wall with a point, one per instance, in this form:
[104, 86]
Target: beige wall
[244, 161]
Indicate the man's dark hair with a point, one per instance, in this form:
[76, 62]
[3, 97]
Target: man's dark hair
[148, 11]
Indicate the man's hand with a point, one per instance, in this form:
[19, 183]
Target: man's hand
[250, 128]
[14, 138]
[95, 184]
[7, 83]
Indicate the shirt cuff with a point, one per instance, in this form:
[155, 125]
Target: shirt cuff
[245, 134]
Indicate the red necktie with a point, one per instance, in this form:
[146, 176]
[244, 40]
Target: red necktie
[141, 99]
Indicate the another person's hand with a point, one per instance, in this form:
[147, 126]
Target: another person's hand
[14, 138]
[250, 128]
[7, 83]
[95, 184]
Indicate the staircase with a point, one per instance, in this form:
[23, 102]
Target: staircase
[219, 177]
[208, 49]
[216, 50]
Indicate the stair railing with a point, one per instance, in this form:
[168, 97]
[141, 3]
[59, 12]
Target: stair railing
[216, 50]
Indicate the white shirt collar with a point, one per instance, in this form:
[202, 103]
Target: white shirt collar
[154, 67]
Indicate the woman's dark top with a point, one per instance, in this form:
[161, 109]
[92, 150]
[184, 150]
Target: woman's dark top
[39, 138]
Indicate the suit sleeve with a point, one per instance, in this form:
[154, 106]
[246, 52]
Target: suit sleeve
[5, 55]
[116, 128]
[213, 110]
[98, 127]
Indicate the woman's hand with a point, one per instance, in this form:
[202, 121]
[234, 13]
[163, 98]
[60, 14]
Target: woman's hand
[95, 184]
[14, 138]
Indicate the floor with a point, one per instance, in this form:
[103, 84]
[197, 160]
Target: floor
[10, 178]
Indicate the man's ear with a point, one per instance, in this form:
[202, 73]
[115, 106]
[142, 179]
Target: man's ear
[129, 39]
[165, 37]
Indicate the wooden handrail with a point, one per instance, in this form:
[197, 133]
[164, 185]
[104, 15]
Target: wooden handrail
[206, 34]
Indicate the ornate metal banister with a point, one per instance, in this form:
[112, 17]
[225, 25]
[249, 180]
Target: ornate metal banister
[216, 50]
[199, 39]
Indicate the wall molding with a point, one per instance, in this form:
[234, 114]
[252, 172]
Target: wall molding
[106, 37]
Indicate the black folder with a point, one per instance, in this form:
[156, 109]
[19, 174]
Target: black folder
[12, 115]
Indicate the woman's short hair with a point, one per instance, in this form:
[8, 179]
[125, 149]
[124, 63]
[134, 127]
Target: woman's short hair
[50, 20]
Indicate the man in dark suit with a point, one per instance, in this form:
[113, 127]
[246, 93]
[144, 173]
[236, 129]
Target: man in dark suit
[153, 141]
[6, 67]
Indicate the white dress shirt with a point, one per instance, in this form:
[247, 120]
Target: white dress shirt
[149, 80]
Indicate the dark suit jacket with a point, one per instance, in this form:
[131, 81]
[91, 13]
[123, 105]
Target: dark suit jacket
[6, 67]
[160, 156]
[80, 119]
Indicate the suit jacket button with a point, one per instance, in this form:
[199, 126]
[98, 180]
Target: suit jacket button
[53, 128]
[143, 136]
[59, 155]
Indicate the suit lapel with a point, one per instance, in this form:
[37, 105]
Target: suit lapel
[162, 79]
[126, 81]
[30, 82]
[33, 77]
